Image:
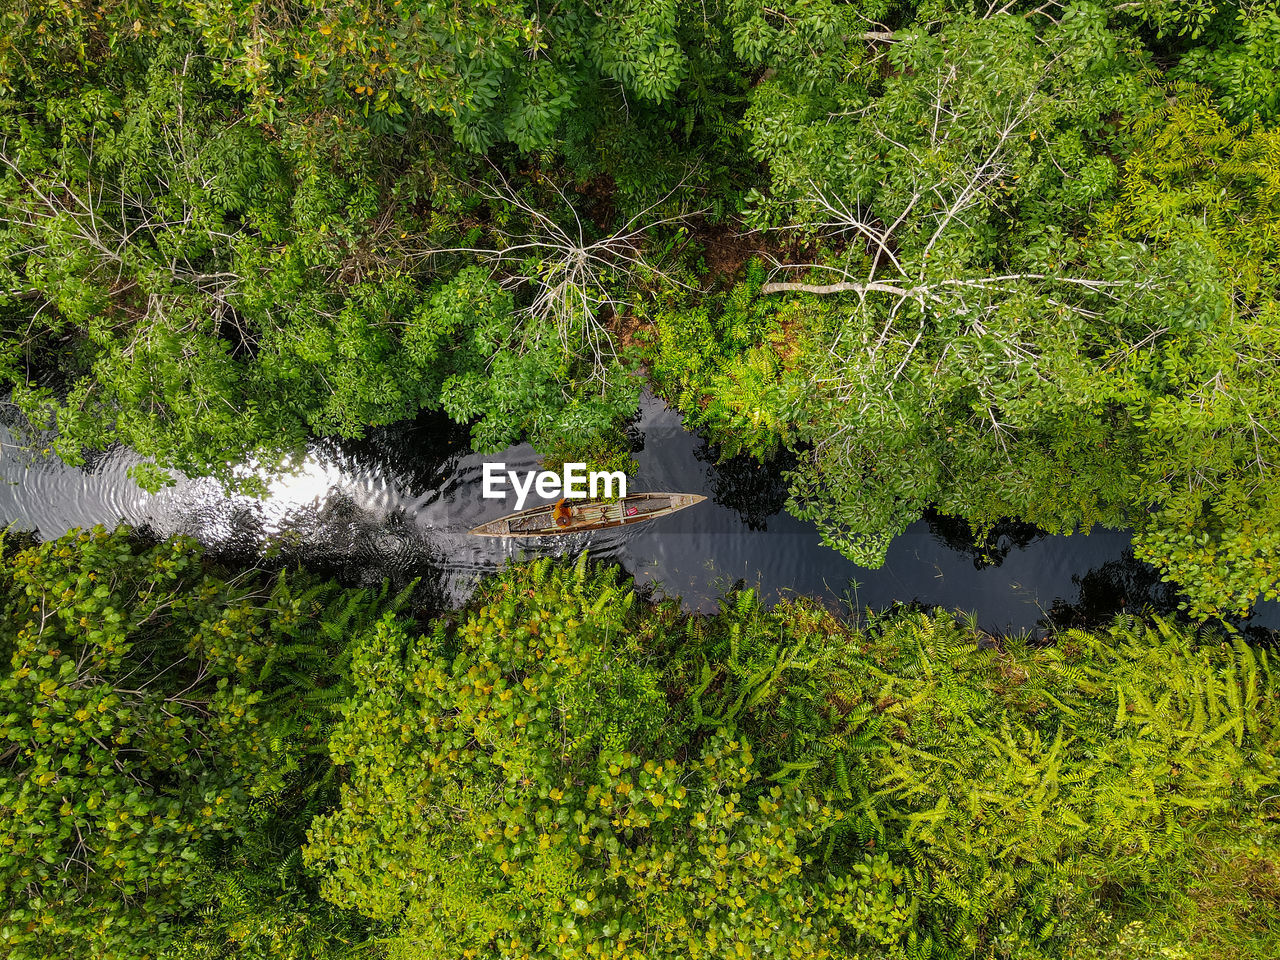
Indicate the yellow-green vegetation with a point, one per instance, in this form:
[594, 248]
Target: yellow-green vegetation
[999, 261]
[567, 772]
[1221, 901]
[155, 719]
[200, 767]
[536, 746]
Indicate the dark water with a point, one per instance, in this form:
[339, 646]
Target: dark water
[399, 504]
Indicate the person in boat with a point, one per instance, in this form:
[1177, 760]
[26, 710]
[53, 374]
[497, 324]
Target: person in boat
[562, 512]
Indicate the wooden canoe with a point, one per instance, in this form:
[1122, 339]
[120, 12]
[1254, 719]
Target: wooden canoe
[588, 515]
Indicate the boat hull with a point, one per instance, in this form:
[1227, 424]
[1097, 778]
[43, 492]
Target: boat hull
[587, 516]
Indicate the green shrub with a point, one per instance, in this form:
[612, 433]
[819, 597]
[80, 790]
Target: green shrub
[564, 772]
[147, 710]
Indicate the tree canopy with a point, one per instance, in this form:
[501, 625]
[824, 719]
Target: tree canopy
[1003, 262]
[1018, 261]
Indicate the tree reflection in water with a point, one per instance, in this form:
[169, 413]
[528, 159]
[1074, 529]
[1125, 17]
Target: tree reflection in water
[755, 490]
[986, 551]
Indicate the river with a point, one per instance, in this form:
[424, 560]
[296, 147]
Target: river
[399, 504]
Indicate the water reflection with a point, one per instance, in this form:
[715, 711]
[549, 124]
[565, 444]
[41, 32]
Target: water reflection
[756, 491]
[1125, 584]
[989, 550]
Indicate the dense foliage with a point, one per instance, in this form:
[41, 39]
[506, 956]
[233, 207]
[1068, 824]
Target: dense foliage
[205, 294]
[1056, 295]
[152, 714]
[1021, 260]
[530, 747]
[566, 770]
[1014, 261]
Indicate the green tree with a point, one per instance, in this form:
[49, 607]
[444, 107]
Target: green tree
[185, 283]
[947, 204]
[496, 72]
[1201, 391]
[1243, 70]
[1016, 328]
[515, 789]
